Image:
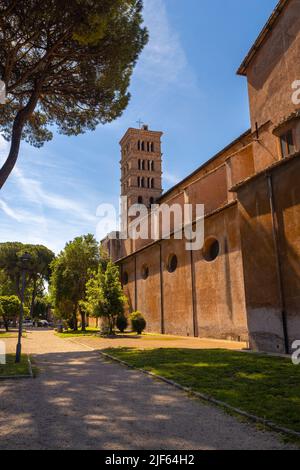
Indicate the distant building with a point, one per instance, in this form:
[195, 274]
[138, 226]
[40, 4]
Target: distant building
[245, 282]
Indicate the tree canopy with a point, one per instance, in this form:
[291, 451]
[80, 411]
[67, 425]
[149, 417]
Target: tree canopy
[70, 273]
[105, 296]
[65, 63]
[37, 270]
[9, 309]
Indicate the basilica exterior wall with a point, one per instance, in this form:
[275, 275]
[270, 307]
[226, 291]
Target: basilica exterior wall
[271, 254]
[245, 281]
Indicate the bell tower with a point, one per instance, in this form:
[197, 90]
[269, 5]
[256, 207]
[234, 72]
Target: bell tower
[141, 166]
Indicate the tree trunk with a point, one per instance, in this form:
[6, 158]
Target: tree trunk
[83, 322]
[75, 321]
[6, 325]
[111, 326]
[16, 137]
[33, 297]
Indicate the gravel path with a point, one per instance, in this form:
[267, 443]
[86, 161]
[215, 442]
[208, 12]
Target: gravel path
[81, 401]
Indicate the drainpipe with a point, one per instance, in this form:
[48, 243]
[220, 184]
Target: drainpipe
[278, 264]
[194, 300]
[162, 327]
[135, 286]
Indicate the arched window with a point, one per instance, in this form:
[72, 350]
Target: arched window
[152, 183]
[125, 278]
[139, 163]
[152, 147]
[142, 182]
[211, 249]
[143, 146]
[140, 200]
[143, 164]
[145, 272]
[139, 145]
[172, 263]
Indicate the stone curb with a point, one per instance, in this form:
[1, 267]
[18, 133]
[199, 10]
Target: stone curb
[209, 399]
[19, 377]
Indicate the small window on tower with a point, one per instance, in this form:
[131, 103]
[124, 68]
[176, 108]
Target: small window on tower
[143, 146]
[287, 144]
[139, 145]
[152, 147]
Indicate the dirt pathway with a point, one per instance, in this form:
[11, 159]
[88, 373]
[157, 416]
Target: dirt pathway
[80, 401]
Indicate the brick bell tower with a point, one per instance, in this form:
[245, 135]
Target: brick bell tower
[141, 166]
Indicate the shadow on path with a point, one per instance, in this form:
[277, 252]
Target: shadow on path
[81, 401]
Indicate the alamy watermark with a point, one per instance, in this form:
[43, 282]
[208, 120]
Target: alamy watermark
[296, 353]
[2, 92]
[2, 353]
[162, 221]
[296, 93]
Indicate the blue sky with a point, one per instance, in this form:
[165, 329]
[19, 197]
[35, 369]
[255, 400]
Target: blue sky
[184, 84]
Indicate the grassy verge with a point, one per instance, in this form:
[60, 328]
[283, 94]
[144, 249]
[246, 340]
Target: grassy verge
[79, 333]
[118, 335]
[265, 386]
[11, 369]
[10, 334]
[5, 334]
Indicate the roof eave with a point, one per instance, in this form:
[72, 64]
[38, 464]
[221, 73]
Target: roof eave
[242, 70]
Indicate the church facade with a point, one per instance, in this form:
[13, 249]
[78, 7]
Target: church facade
[244, 283]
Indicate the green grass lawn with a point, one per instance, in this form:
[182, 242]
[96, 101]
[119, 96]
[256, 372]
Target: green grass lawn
[268, 387]
[128, 334]
[10, 334]
[11, 368]
[75, 334]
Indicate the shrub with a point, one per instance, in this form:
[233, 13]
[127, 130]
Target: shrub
[122, 323]
[138, 322]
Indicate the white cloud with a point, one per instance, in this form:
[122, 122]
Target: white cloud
[20, 215]
[163, 60]
[4, 146]
[35, 193]
[170, 178]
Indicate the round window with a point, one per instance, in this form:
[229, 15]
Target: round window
[211, 249]
[145, 272]
[125, 278]
[172, 263]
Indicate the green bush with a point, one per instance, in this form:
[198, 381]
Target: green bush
[122, 323]
[138, 322]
